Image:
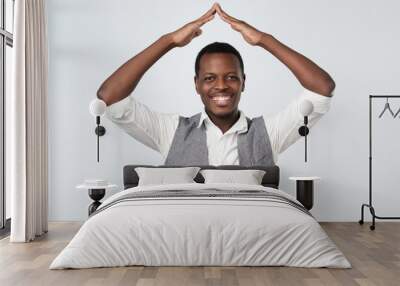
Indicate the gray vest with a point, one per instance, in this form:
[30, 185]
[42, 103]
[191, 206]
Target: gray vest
[189, 146]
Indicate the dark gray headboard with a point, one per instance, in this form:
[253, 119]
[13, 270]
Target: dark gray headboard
[270, 179]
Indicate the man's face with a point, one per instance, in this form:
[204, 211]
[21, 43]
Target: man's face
[220, 82]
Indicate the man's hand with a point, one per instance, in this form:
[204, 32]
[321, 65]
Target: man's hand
[184, 35]
[249, 33]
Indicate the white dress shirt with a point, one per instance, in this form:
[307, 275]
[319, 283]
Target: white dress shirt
[156, 129]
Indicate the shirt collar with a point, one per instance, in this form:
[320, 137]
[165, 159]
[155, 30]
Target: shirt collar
[240, 126]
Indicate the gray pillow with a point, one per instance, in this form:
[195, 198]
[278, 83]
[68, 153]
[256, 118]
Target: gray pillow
[249, 177]
[162, 176]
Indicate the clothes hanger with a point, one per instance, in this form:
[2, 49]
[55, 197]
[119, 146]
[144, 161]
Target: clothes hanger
[387, 107]
[397, 113]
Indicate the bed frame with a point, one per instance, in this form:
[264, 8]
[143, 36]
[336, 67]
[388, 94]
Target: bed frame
[270, 179]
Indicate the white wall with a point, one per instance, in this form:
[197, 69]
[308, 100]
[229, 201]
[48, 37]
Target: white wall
[357, 42]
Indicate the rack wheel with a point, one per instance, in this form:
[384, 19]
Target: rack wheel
[372, 227]
[361, 222]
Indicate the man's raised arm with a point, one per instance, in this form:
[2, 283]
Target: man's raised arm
[310, 75]
[124, 80]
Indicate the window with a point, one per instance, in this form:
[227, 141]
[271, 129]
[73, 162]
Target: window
[9, 19]
[6, 44]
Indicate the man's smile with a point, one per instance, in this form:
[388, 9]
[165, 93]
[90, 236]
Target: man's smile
[222, 99]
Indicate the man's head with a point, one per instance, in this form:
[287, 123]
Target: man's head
[219, 78]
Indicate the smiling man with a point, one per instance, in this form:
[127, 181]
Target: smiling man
[221, 134]
[220, 80]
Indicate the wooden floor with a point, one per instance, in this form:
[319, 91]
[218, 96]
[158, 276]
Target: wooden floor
[374, 255]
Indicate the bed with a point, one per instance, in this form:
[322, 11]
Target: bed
[201, 224]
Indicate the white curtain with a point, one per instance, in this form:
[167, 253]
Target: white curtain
[27, 123]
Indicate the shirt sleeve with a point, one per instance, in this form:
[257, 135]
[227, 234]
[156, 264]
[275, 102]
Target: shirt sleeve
[283, 127]
[154, 129]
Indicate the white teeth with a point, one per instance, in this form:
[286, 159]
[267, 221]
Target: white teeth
[221, 98]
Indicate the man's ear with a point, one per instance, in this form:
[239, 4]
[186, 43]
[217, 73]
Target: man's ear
[195, 84]
[244, 82]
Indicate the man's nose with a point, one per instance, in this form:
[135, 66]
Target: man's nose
[220, 83]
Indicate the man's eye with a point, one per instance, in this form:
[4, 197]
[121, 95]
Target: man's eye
[208, 78]
[233, 77]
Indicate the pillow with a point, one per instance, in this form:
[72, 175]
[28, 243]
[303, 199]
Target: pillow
[162, 176]
[249, 177]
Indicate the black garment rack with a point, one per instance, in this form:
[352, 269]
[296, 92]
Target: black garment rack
[369, 205]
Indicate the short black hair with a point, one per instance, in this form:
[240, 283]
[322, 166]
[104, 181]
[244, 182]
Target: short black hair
[217, 47]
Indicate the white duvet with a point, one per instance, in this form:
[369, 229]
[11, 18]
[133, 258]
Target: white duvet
[200, 231]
